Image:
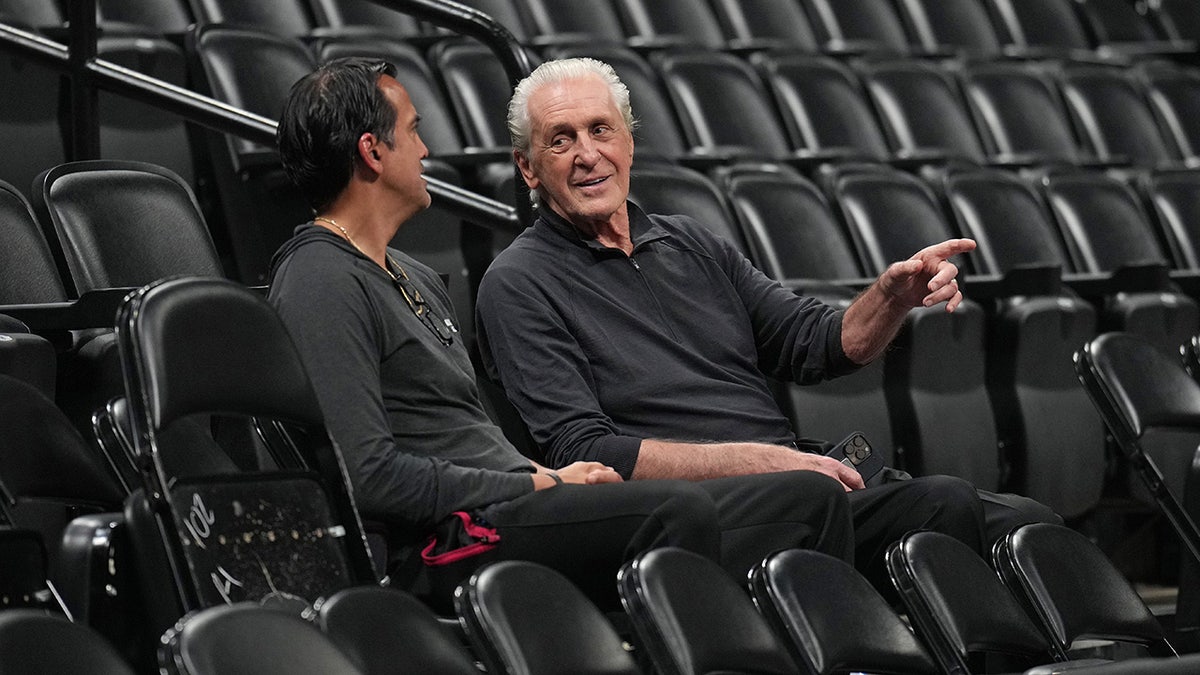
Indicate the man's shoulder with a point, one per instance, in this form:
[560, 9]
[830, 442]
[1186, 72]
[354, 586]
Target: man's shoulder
[533, 251]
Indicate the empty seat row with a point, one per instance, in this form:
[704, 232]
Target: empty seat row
[981, 27]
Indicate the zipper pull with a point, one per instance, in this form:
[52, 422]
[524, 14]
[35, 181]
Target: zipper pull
[633, 261]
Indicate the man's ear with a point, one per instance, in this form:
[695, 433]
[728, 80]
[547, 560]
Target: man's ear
[368, 152]
[526, 170]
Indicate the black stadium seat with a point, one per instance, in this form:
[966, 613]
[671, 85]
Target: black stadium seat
[693, 618]
[671, 22]
[527, 619]
[1019, 112]
[252, 70]
[1108, 108]
[825, 608]
[125, 224]
[384, 630]
[962, 26]
[939, 356]
[823, 105]
[1045, 423]
[766, 24]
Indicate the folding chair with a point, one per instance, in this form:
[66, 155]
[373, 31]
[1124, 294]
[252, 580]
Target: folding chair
[199, 346]
[1152, 407]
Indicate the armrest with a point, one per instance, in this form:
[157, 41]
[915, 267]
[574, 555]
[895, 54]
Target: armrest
[94, 309]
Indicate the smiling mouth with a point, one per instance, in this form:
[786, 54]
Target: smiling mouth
[591, 183]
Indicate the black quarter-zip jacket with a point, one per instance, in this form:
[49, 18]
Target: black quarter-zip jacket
[599, 350]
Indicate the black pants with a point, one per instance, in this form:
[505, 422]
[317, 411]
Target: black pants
[588, 531]
[884, 513]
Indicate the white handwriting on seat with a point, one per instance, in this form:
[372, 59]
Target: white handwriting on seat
[199, 521]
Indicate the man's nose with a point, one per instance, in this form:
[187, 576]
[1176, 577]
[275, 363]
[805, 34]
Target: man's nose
[588, 151]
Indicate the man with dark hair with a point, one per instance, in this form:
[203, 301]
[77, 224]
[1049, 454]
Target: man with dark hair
[641, 341]
[398, 390]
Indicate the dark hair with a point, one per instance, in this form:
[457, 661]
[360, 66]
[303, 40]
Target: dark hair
[326, 112]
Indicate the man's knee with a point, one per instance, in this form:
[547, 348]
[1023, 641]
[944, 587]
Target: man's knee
[688, 517]
[945, 504]
[1003, 512]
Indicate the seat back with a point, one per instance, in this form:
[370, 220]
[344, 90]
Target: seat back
[194, 346]
[826, 608]
[789, 222]
[921, 110]
[1116, 22]
[872, 24]
[1179, 18]
[384, 630]
[1045, 422]
[669, 189]
[1152, 407]
[722, 104]
[823, 105]
[1019, 112]
[958, 604]
[1073, 590]
[1174, 95]
[131, 130]
[1105, 227]
[366, 15]
[693, 618]
[290, 18]
[252, 70]
[1040, 23]
[891, 215]
[766, 23]
[30, 131]
[1102, 222]
[48, 472]
[247, 638]
[1175, 198]
[962, 26]
[28, 273]
[125, 224]
[169, 17]
[583, 21]
[676, 21]
[1007, 219]
[657, 134]
[791, 226]
[1109, 109]
[39, 644]
[477, 89]
[528, 619]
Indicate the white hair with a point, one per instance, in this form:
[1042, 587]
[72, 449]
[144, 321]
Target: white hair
[553, 72]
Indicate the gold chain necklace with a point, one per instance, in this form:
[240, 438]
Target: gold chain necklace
[346, 234]
[443, 329]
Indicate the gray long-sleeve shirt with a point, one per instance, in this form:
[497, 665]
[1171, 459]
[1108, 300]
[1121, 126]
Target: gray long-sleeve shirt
[599, 350]
[403, 407]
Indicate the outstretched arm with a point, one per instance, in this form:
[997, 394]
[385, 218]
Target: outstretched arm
[924, 280]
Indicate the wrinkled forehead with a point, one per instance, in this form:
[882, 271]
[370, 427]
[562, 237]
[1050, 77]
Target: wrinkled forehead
[576, 100]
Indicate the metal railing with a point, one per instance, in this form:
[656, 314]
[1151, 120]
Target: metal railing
[89, 74]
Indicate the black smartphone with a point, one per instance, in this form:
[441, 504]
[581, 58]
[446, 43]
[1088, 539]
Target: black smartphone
[854, 451]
